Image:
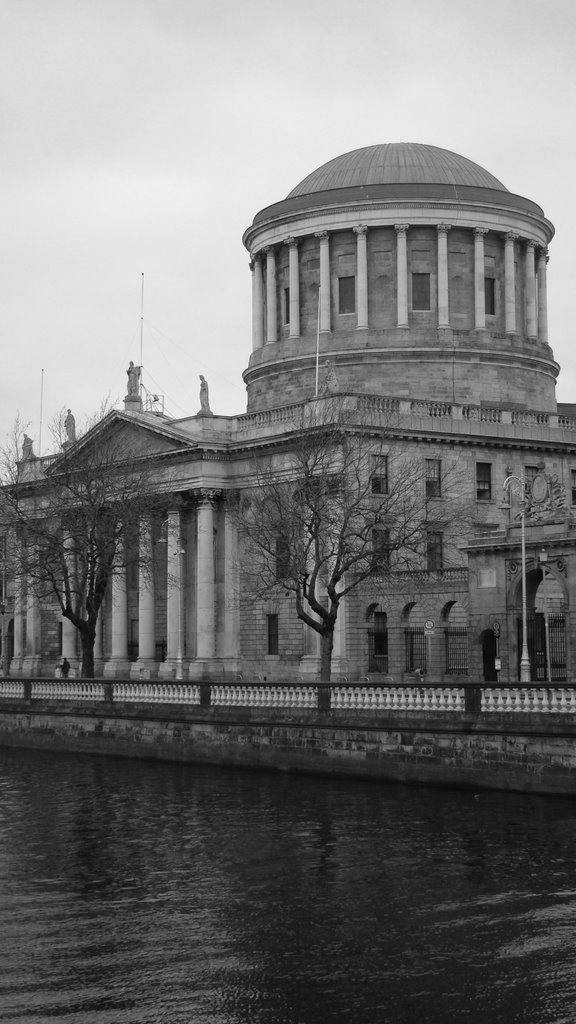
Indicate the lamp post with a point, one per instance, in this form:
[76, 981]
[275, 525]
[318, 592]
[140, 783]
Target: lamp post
[517, 485]
[543, 559]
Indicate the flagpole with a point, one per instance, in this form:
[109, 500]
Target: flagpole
[318, 341]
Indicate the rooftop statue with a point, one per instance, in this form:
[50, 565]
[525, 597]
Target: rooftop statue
[204, 398]
[70, 427]
[133, 379]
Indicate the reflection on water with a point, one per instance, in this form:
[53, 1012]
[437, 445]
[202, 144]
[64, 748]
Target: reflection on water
[139, 892]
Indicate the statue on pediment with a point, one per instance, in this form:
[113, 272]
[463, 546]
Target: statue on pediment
[133, 379]
[204, 398]
[70, 427]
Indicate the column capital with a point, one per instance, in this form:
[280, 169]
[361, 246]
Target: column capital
[208, 495]
[443, 229]
[360, 229]
[531, 243]
[401, 229]
[321, 234]
[480, 232]
[292, 242]
[543, 253]
[510, 236]
[267, 249]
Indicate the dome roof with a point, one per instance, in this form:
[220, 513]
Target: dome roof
[396, 163]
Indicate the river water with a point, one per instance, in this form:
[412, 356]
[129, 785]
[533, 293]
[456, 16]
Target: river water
[136, 892]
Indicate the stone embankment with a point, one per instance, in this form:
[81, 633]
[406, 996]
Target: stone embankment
[481, 737]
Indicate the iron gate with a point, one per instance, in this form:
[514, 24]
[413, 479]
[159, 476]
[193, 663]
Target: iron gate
[536, 637]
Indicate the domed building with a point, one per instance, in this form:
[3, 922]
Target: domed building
[414, 271]
[409, 283]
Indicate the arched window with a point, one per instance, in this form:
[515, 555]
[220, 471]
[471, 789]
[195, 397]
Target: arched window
[377, 639]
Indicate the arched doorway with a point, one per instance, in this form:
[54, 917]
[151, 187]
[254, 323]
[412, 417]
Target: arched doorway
[455, 624]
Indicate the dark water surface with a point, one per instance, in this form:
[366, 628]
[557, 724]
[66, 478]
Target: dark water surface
[135, 892]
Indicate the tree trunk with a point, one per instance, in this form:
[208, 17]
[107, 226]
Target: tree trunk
[87, 655]
[327, 644]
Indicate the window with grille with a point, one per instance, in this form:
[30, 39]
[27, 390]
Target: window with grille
[483, 481]
[433, 478]
[421, 291]
[346, 294]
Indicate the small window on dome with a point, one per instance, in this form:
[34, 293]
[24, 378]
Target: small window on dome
[286, 306]
[421, 291]
[346, 295]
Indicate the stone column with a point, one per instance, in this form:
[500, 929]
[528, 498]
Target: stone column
[324, 281]
[98, 644]
[257, 302]
[294, 284]
[402, 273]
[231, 602]
[479, 294]
[531, 324]
[542, 296]
[172, 666]
[443, 304]
[271, 311]
[118, 664]
[339, 654]
[32, 657]
[16, 663]
[510, 284]
[145, 667]
[362, 270]
[206, 585]
[69, 641]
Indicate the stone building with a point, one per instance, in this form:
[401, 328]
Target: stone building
[409, 278]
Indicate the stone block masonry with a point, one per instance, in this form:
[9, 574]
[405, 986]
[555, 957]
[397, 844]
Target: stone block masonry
[533, 753]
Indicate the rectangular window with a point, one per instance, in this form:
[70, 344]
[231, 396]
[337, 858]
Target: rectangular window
[490, 296]
[483, 481]
[433, 478]
[282, 558]
[573, 484]
[272, 634]
[434, 550]
[286, 305]
[346, 294]
[379, 478]
[420, 291]
[380, 549]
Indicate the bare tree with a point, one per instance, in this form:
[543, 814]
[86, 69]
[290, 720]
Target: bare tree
[73, 520]
[341, 500]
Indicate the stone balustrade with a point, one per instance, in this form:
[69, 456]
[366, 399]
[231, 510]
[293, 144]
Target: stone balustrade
[335, 696]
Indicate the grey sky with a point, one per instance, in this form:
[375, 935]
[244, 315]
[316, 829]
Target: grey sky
[142, 136]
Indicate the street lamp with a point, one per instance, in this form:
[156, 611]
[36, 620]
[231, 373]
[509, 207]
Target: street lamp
[543, 559]
[517, 485]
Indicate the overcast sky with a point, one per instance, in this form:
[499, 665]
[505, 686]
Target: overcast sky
[142, 136]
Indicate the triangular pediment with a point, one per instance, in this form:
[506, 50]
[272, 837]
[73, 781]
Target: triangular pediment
[122, 438]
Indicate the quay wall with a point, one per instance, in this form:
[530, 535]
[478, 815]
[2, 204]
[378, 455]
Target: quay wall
[522, 751]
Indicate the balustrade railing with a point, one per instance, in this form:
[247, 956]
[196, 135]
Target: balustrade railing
[334, 696]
